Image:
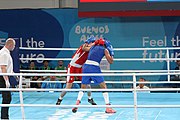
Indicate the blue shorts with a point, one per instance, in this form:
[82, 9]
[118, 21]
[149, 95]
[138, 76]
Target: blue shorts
[91, 69]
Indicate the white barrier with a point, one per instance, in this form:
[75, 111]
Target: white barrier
[135, 106]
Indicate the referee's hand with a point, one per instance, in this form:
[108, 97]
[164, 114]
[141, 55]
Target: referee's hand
[7, 84]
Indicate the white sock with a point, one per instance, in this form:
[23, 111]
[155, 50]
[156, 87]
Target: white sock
[106, 97]
[89, 97]
[60, 98]
[80, 95]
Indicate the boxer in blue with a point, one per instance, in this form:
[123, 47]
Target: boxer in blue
[96, 53]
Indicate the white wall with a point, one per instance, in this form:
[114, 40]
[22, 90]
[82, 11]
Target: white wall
[19, 4]
[68, 3]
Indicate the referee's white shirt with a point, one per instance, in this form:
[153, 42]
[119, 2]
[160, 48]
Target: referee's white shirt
[6, 59]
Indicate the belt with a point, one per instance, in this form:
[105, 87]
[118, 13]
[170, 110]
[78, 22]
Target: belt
[75, 65]
[90, 62]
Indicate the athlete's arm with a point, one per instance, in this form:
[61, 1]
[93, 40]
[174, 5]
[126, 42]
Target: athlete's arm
[108, 57]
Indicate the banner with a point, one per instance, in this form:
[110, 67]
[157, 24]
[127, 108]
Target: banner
[119, 8]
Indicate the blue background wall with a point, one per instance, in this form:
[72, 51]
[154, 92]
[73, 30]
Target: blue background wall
[57, 28]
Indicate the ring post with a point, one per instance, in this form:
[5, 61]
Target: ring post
[21, 97]
[135, 98]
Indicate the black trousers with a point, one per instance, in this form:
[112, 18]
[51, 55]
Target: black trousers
[6, 99]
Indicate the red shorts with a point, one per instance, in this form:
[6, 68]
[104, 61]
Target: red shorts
[73, 70]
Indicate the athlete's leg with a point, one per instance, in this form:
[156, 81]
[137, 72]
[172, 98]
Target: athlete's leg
[89, 92]
[63, 93]
[106, 98]
[90, 99]
[80, 95]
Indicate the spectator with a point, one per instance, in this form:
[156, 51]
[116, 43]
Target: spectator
[51, 84]
[44, 67]
[32, 66]
[61, 67]
[176, 77]
[142, 85]
[22, 66]
[74, 86]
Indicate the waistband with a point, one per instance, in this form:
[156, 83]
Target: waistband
[75, 65]
[90, 62]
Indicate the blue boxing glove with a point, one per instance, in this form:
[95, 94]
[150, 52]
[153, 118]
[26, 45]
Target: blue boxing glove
[110, 49]
[90, 39]
[107, 43]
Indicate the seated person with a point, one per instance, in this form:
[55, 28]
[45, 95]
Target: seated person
[142, 86]
[52, 85]
[44, 67]
[32, 66]
[176, 77]
[22, 67]
[74, 86]
[61, 66]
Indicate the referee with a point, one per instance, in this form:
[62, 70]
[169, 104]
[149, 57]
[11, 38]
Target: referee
[6, 66]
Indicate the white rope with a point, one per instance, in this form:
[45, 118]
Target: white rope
[92, 74]
[116, 49]
[72, 90]
[45, 59]
[127, 82]
[105, 71]
[115, 59]
[112, 82]
[95, 90]
[67, 106]
[64, 49]
[21, 98]
[122, 82]
[168, 64]
[129, 49]
[91, 106]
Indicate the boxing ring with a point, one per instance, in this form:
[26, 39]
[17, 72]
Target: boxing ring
[129, 103]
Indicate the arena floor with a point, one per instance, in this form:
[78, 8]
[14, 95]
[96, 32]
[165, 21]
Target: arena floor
[116, 98]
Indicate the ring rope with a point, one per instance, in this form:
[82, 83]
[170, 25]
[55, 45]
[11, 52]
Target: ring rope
[105, 71]
[115, 59]
[135, 106]
[92, 74]
[94, 90]
[91, 106]
[116, 49]
[124, 82]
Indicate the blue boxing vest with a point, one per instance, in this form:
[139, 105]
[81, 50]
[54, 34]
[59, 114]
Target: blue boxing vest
[96, 53]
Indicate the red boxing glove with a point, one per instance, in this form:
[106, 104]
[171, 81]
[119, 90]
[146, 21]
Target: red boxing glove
[100, 42]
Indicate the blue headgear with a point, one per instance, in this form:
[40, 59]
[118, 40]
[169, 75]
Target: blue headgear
[90, 39]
